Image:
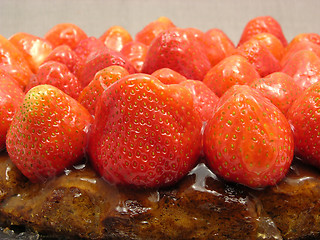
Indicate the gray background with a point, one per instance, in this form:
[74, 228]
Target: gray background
[96, 16]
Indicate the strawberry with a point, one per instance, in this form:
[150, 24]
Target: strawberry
[11, 96]
[13, 61]
[279, 88]
[232, 70]
[65, 33]
[304, 68]
[88, 46]
[204, 99]
[48, 133]
[136, 53]
[248, 140]
[303, 117]
[218, 45]
[272, 43]
[90, 95]
[33, 48]
[263, 24]
[58, 75]
[64, 54]
[299, 46]
[145, 134]
[168, 76]
[153, 29]
[310, 37]
[259, 56]
[115, 38]
[179, 50]
[101, 60]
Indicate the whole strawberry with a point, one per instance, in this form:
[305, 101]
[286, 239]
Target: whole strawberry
[180, 51]
[263, 24]
[56, 74]
[100, 60]
[279, 88]
[48, 133]
[91, 94]
[303, 117]
[248, 140]
[145, 134]
[11, 96]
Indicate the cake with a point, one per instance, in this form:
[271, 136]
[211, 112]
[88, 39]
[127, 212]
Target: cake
[119, 148]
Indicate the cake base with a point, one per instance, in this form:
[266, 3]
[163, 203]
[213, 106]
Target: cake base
[79, 204]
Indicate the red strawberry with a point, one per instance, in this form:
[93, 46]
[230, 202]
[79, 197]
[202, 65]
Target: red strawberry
[115, 38]
[263, 24]
[168, 76]
[310, 37]
[136, 53]
[48, 133]
[204, 99]
[304, 68]
[58, 75]
[179, 50]
[272, 43]
[101, 60]
[248, 140]
[145, 133]
[65, 33]
[11, 96]
[218, 45]
[279, 88]
[303, 117]
[299, 46]
[88, 46]
[259, 56]
[33, 48]
[90, 95]
[153, 29]
[13, 61]
[230, 71]
[64, 54]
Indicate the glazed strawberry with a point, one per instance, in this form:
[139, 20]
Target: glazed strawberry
[272, 43]
[168, 76]
[64, 54]
[230, 71]
[263, 24]
[259, 56]
[179, 50]
[303, 117]
[136, 53]
[13, 61]
[11, 96]
[204, 99]
[33, 48]
[115, 38]
[304, 68]
[310, 37]
[58, 75]
[65, 33]
[145, 134]
[248, 140]
[279, 88]
[218, 45]
[88, 46]
[153, 29]
[101, 60]
[299, 46]
[48, 133]
[90, 95]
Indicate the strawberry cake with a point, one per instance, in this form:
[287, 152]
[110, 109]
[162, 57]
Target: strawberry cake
[172, 134]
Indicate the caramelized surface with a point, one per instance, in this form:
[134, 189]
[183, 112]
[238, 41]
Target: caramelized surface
[79, 203]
